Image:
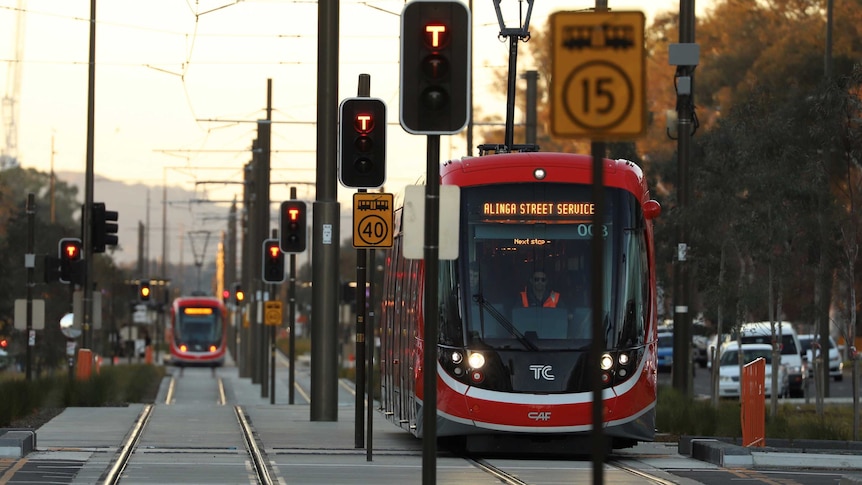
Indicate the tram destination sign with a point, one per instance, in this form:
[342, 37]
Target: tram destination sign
[598, 86]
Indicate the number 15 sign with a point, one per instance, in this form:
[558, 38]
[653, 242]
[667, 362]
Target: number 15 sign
[598, 86]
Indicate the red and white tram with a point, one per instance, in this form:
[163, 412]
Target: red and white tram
[197, 335]
[511, 364]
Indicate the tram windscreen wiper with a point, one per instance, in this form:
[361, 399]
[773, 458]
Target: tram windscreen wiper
[502, 320]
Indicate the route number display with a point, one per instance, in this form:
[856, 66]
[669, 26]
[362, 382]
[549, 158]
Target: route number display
[372, 220]
[599, 69]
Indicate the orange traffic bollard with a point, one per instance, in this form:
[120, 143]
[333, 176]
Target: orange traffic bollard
[84, 366]
[753, 408]
[148, 354]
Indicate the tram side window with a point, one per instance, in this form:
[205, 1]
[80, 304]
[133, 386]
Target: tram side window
[636, 291]
[450, 316]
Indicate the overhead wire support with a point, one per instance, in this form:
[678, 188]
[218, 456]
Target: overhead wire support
[515, 34]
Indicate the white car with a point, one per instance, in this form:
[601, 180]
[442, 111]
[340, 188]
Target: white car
[728, 371]
[836, 364]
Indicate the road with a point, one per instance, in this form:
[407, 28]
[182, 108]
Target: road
[702, 379]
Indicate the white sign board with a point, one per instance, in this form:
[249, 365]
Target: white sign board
[413, 222]
[38, 315]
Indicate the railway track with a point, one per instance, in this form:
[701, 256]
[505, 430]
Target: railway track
[165, 421]
[526, 472]
[197, 433]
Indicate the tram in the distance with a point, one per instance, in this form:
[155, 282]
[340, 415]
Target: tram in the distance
[197, 334]
[515, 308]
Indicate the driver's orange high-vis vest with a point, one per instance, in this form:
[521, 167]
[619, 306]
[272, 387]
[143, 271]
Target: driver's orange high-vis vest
[550, 302]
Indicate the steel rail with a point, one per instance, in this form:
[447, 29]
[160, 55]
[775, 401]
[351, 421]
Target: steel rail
[500, 475]
[639, 473]
[254, 452]
[131, 442]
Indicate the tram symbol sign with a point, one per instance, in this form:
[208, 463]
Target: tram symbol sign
[272, 313]
[599, 69]
[372, 220]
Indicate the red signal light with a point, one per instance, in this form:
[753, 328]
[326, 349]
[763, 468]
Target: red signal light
[274, 250]
[363, 123]
[436, 36]
[4, 343]
[292, 230]
[71, 250]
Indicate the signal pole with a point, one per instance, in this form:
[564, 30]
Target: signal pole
[326, 225]
[682, 368]
[86, 216]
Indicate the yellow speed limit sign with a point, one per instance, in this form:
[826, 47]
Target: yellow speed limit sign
[599, 75]
[272, 313]
[372, 220]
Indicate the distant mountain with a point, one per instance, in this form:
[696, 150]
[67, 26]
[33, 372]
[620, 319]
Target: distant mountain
[141, 205]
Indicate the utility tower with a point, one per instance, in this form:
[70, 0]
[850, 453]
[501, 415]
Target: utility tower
[9, 153]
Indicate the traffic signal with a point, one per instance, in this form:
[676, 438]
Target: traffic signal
[225, 295]
[273, 262]
[238, 294]
[291, 223]
[362, 142]
[144, 290]
[69, 252]
[104, 227]
[435, 67]
[4, 343]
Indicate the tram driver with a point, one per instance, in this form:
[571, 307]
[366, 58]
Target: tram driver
[538, 293]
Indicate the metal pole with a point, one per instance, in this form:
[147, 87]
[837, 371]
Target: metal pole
[369, 350]
[532, 78]
[597, 346]
[30, 263]
[263, 231]
[682, 378]
[291, 317]
[470, 124]
[327, 220]
[361, 335]
[272, 363]
[823, 309]
[363, 91]
[432, 313]
[510, 99]
[86, 217]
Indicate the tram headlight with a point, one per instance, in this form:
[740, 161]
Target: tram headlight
[476, 360]
[457, 358]
[183, 348]
[624, 359]
[607, 362]
[212, 348]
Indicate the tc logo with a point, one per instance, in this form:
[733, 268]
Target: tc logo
[542, 372]
[539, 416]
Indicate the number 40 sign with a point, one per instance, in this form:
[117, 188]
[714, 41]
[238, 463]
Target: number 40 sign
[599, 68]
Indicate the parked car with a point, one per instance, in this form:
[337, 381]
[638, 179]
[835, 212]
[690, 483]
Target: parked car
[836, 363]
[664, 351]
[761, 333]
[728, 370]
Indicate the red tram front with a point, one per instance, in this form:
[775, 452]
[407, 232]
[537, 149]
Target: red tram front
[197, 335]
[515, 307]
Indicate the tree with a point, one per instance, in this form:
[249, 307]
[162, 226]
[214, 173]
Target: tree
[56, 216]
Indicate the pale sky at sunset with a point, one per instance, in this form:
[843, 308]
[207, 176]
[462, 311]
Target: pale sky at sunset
[174, 78]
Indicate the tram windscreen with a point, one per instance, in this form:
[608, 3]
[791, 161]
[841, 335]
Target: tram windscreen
[527, 272]
[199, 326]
